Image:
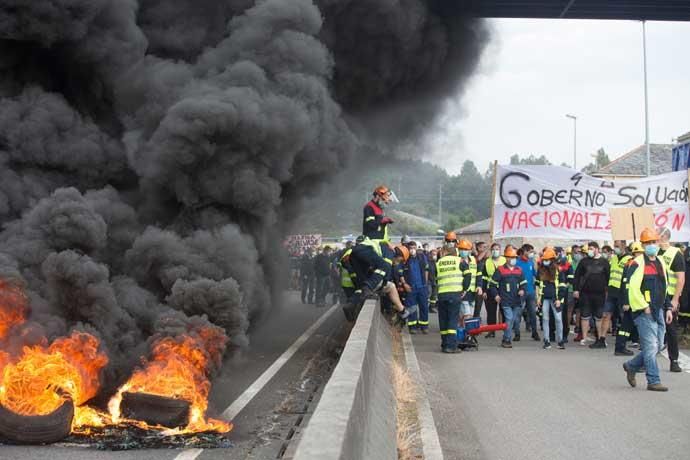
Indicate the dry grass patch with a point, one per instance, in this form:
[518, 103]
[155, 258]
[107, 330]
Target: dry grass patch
[406, 393]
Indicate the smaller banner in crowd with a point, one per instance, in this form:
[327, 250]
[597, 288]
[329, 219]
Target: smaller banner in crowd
[561, 203]
[297, 244]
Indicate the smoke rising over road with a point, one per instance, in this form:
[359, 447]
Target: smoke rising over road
[152, 152]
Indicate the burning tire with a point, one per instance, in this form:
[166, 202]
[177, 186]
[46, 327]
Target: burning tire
[155, 410]
[37, 429]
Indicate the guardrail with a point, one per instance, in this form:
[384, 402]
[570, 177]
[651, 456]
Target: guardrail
[355, 417]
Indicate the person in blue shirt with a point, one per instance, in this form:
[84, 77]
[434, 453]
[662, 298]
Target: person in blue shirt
[415, 283]
[526, 262]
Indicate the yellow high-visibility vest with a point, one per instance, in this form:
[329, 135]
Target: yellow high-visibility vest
[640, 300]
[448, 274]
[672, 277]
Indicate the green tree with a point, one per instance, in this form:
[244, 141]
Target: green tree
[601, 159]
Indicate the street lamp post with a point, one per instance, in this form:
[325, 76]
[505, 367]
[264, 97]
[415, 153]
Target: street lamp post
[574, 118]
[646, 101]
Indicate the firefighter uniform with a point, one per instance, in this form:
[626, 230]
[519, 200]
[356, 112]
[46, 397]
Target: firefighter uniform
[449, 279]
[415, 273]
[669, 256]
[375, 223]
[613, 299]
[507, 282]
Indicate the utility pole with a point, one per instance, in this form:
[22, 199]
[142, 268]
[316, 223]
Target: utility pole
[646, 102]
[574, 118]
[440, 204]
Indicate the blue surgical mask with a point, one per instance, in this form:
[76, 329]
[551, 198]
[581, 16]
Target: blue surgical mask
[651, 250]
[577, 257]
[464, 253]
[547, 263]
[617, 251]
[512, 261]
[590, 253]
[496, 253]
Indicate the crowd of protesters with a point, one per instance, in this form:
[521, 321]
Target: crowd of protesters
[634, 292]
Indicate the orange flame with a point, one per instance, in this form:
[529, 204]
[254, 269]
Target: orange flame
[13, 307]
[42, 377]
[178, 368]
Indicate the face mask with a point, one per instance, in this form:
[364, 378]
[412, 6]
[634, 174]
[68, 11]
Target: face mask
[530, 255]
[464, 253]
[651, 250]
[512, 262]
[434, 257]
[577, 257]
[496, 253]
[547, 263]
[590, 253]
[413, 252]
[617, 251]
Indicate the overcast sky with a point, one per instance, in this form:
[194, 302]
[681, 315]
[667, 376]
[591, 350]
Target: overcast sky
[536, 71]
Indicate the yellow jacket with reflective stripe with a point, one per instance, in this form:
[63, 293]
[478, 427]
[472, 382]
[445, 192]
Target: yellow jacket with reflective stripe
[672, 277]
[617, 266]
[449, 275]
[490, 268]
[374, 244]
[636, 297]
[473, 270]
[345, 276]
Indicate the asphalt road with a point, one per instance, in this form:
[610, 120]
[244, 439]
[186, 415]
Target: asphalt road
[264, 428]
[530, 403]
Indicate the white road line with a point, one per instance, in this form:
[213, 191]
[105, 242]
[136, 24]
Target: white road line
[245, 398]
[431, 445]
[189, 454]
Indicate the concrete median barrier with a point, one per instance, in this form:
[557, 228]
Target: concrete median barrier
[355, 417]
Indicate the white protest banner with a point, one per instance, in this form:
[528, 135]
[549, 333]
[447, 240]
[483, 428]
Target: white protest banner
[297, 244]
[562, 203]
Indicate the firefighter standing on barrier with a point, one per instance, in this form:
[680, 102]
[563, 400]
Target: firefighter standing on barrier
[375, 223]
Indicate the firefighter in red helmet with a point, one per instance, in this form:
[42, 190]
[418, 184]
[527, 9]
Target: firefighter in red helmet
[375, 223]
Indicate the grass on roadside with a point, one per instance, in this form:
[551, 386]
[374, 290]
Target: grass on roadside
[406, 393]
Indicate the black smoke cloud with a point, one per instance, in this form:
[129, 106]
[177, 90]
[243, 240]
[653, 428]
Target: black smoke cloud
[153, 152]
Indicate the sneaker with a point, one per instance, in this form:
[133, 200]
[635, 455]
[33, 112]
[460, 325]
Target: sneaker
[516, 338]
[413, 331]
[634, 345]
[629, 375]
[535, 336]
[675, 367]
[578, 337]
[583, 342]
[506, 345]
[656, 387]
[449, 350]
[547, 345]
[624, 352]
[561, 345]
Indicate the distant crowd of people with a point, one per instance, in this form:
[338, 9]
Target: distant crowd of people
[634, 292]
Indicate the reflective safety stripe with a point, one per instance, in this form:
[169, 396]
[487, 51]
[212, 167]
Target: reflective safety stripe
[623, 333]
[388, 261]
[473, 271]
[380, 272]
[412, 323]
[370, 218]
[450, 331]
[668, 257]
[684, 315]
[423, 323]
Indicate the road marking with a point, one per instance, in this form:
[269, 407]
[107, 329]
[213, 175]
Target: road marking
[431, 446]
[189, 454]
[245, 398]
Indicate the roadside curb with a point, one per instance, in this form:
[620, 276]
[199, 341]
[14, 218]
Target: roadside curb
[431, 445]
